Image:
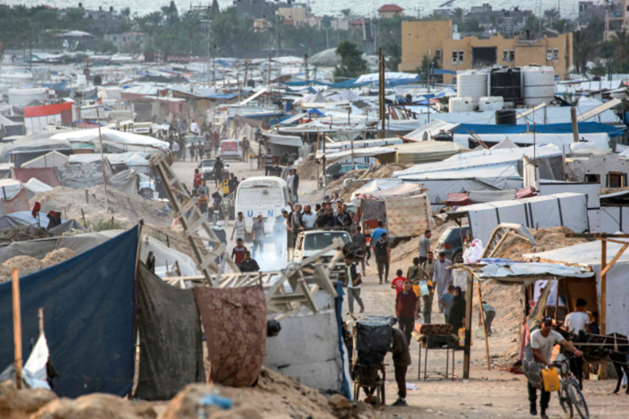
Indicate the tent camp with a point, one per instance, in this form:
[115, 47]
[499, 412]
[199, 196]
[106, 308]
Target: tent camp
[563, 209]
[33, 186]
[421, 152]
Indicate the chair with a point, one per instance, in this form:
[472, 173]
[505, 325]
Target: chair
[367, 376]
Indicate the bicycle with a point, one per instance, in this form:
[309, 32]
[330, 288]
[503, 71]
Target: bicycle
[570, 395]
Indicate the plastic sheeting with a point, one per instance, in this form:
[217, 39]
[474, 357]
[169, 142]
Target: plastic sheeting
[373, 210]
[35, 185]
[373, 339]
[171, 345]
[38, 249]
[89, 310]
[123, 141]
[9, 188]
[167, 256]
[234, 321]
[125, 181]
[47, 175]
[373, 186]
[400, 191]
[52, 159]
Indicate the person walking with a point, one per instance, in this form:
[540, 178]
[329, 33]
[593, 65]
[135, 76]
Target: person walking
[245, 144]
[442, 276]
[217, 171]
[240, 228]
[376, 233]
[224, 186]
[268, 164]
[424, 246]
[457, 311]
[233, 183]
[359, 239]
[398, 282]
[296, 223]
[197, 180]
[401, 361]
[202, 202]
[383, 257]
[204, 188]
[353, 279]
[446, 300]
[289, 185]
[249, 264]
[258, 236]
[427, 299]
[490, 313]
[575, 322]
[416, 274]
[238, 252]
[542, 343]
[295, 185]
[405, 308]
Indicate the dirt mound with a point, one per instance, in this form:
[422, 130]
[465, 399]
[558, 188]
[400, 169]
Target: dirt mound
[308, 169]
[57, 256]
[515, 245]
[125, 208]
[25, 233]
[28, 265]
[97, 405]
[20, 404]
[379, 172]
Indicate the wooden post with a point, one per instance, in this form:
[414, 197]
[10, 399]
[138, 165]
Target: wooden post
[17, 328]
[482, 316]
[318, 139]
[602, 369]
[40, 314]
[83, 215]
[469, 301]
[325, 181]
[102, 160]
[575, 125]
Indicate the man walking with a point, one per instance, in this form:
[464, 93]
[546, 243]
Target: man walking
[353, 278]
[295, 185]
[296, 224]
[268, 164]
[197, 180]
[245, 148]
[401, 361]
[217, 171]
[489, 312]
[383, 257]
[249, 264]
[429, 269]
[360, 239]
[424, 246]
[238, 252]
[405, 309]
[258, 236]
[442, 276]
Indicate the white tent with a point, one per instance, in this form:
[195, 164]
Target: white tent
[33, 186]
[52, 159]
[117, 140]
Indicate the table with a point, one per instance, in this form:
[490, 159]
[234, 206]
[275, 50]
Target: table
[451, 345]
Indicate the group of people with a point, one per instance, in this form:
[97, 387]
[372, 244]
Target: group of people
[201, 191]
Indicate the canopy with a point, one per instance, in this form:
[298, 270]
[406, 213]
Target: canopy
[119, 139]
[359, 152]
[400, 191]
[528, 273]
[315, 111]
[325, 58]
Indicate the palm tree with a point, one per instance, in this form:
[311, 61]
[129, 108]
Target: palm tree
[552, 15]
[458, 13]
[584, 49]
[562, 26]
[620, 41]
[346, 13]
[393, 51]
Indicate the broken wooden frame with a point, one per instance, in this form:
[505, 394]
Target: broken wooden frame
[286, 291]
[192, 220]
[500, 234]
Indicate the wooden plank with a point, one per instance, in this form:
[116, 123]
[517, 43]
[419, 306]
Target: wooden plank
[17, 328]
[614, 260]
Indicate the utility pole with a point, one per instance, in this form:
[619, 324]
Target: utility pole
[307, 73]
[381, 90]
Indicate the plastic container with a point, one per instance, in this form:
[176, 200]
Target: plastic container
[461, 104]
[539, 85]
[506, 117]
[472, 83]
[490, 103]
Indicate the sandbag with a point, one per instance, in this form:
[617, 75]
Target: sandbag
[373, 339]
[234, 321]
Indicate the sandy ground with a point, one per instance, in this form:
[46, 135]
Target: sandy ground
[487, 394]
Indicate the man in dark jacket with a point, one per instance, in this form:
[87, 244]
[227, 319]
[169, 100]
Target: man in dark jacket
[248, 264]
[401, 361]
[218, 171]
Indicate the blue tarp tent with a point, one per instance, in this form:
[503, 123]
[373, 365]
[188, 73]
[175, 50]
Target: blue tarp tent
[566, 128]
[89, 318]
[315, 111]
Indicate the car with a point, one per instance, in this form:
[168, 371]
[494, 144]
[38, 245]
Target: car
[338, 170]
[206, 167]
[230, 149]
[146, 186]
[311, 242]
[450, 242]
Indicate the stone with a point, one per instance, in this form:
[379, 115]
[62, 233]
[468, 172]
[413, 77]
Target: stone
[339, 402]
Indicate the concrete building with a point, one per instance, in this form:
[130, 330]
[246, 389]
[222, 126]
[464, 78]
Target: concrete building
[102, 20]
[390, 10]
[127, 40]
[257, 9]
[298, 16]
[504, 21]
[454, 52]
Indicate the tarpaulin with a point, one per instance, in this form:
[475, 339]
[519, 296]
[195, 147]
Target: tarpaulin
[89, 310]
[373, 339]
[562, 128]
[373, 210]
[48, 175]
[458, 199]
[16, 204]
[171, 346]
[408, 216]
[234, 321]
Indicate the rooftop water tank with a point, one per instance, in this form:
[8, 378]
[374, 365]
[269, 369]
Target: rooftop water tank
[507, 83]
[461, 104]
[539, 85]
[506, 117]
[490, 103]
[471, 83]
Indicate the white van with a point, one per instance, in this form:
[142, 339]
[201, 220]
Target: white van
[262, 195]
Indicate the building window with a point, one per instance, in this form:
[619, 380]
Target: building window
[438, 54]
[511, 55]
[454, 56]
[556, 54]
[592, 178]
[461, 55]
[505, 55]
[616, 180]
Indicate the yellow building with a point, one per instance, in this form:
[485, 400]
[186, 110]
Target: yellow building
[437, 39]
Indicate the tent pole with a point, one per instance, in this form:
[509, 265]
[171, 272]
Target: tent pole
[469, 295]
[102, 160]
[482, 316]
[318, 139]
[17, 328]
[602, 369]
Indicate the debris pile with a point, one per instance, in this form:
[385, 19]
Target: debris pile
[514, 245]
[378, 172]
[28, 264]
[19, 234]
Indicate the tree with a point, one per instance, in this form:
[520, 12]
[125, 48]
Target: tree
[562, 26]
[620, 40]
[552, 15]
[346, 13]
[458, 14]
[214, 9]
[393, 51]
[126, 12]
[352, 64]
[584, 49]
[171, 13]
[427, 65]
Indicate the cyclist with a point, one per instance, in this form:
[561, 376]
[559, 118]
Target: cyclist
[542, 342]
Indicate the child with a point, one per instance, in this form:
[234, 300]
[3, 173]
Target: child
[238, 253]
[398, 282]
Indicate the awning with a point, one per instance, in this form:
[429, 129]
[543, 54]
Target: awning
[529, 272]
[358, 152]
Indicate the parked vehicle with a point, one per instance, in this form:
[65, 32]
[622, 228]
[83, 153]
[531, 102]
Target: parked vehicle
[230, 149]
[262, 195]
[206, 167]
[450, 243]
[338, 170]
[310, 242]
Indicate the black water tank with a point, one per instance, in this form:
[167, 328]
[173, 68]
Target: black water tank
[443, 136]
[506, 117]
[506, 82]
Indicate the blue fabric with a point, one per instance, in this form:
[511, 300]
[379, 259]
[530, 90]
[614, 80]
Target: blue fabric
[346, 385]
[442, 71]
[315, 111]
[376, 234]
[89, 313]
[564, 128]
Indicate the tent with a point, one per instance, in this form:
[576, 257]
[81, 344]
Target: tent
[422, 152]
[325, 58]
[563, 209]
[47, 175]
[34, 185]
[278, 144]
[12, 197]
[52, 159]
[400, 191]
[113, 140]
[315, 111]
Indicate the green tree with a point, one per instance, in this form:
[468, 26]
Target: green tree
[427, 65]
[126, 12]
[393, 51]
[214, 9]
[562, 26]
[458, 14]
[346, 13]
[352, 63]
[584, 49]
[171, 13]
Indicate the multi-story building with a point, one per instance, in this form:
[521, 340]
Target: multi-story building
[101, 20]
[439, 40]
[505, 21]
[257, 9]
[390, 10]
[127, 40]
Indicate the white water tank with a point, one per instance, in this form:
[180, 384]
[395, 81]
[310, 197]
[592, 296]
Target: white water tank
[461, 104]
[539, 84]
[490, 103]
[471, 83]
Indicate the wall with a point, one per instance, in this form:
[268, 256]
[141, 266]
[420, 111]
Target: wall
[419, 37]
[297, 14]
[576, 168]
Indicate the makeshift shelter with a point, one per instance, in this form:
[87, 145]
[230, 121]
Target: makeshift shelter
[563, 209]
[47, 175]
[278, 144]
[32, 146]
[84, 175]
[52, 159]
[12, 197]
[325, 58]
[421, 152]
[114, 141]
[33, 186]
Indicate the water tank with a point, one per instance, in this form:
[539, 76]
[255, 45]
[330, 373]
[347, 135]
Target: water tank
[506, 117]
[443, 136]
[539, 84]
[507, 83]
[471, 83]
[461, 104]
[490, 103]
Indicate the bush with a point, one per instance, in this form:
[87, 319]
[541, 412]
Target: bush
[104, 224]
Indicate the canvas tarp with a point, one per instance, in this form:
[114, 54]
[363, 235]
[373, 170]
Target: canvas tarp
[617, 297]
[52, 159]
[373, 210]
[402, 190]
[234, 321]
[34, 185]
[125, 181]
[423, 152]
[68, 226]
[564, 209]
[9, 188]
[89, 311]
[47, 175]
[165, 255]
[408, 216]
[373, 186]
[478, 197]
[10, 200]
[117, 140]
[171, 345]
[83, 175]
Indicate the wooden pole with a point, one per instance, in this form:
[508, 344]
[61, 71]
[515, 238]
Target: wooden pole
[40, 314]
[482, 316]
[318, 139]
[17, 328]
[469, 301]
[325, 181]
[381, 91]
[602, 369]
[102, 160]
[575, 125]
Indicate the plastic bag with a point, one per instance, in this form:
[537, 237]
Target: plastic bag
[474, 252]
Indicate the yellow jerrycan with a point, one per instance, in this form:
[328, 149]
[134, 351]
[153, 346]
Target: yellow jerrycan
[551, 379]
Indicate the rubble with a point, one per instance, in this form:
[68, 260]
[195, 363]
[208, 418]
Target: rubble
[9, 235]
[379, 172]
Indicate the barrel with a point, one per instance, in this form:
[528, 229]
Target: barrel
[443, 136]
[506, 117]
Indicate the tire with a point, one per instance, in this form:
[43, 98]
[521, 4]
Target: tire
[565, 402]
[578, 401]
[456, 256]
